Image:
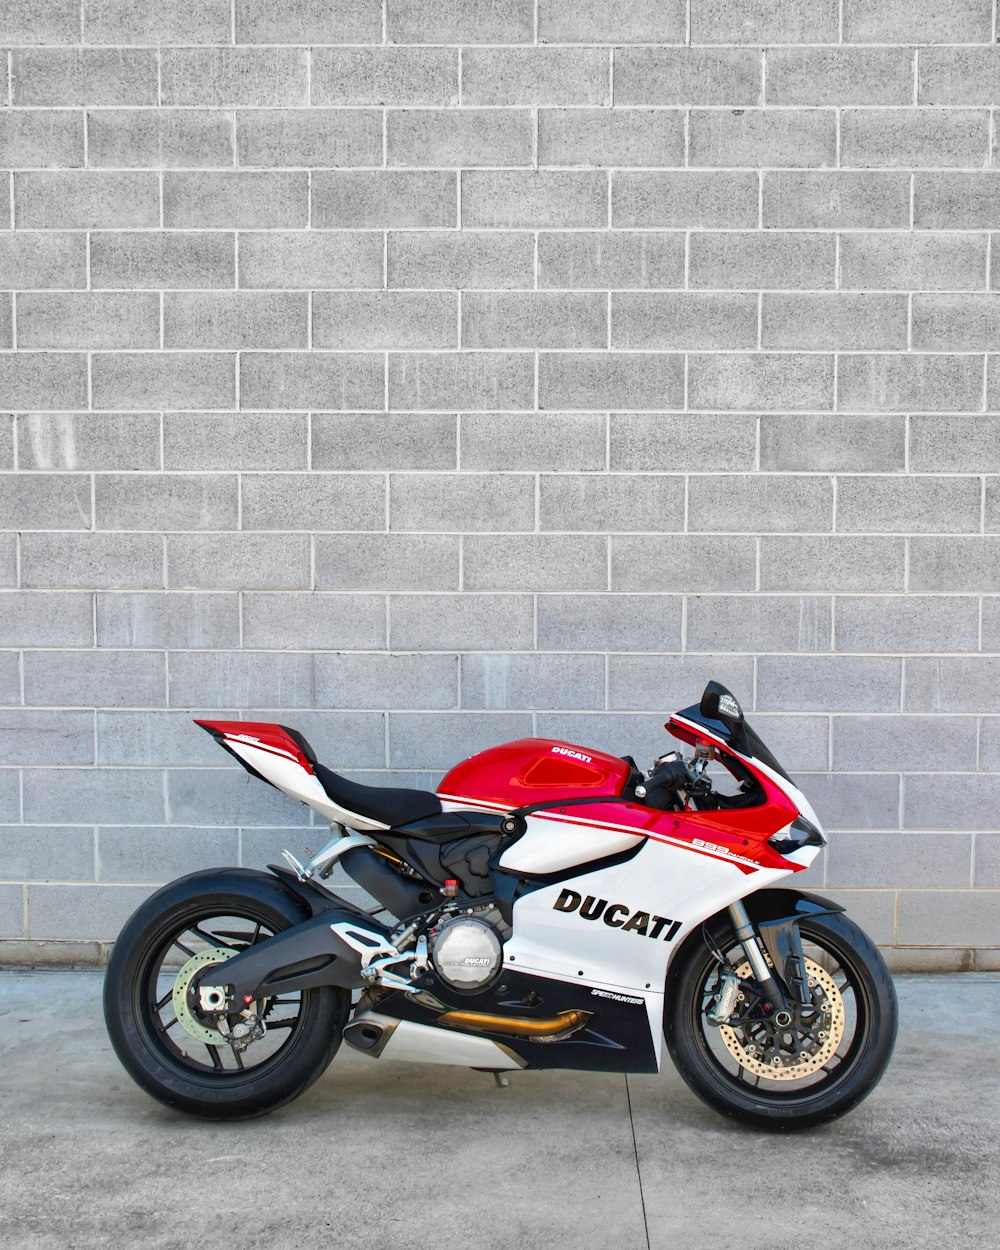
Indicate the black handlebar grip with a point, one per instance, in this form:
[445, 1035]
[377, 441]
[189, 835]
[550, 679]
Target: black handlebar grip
[671, 775]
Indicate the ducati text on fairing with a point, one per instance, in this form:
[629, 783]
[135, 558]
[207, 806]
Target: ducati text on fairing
[550, 906]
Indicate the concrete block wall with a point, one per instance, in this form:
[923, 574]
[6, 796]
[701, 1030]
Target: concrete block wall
[425, 374]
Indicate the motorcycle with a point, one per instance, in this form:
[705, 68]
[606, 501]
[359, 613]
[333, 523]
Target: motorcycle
[550, 906]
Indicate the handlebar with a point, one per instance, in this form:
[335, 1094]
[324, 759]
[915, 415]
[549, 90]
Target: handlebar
[670, 773]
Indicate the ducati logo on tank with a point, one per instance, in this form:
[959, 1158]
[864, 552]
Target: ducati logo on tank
[643, 923]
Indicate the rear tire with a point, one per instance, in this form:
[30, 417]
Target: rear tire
[830, 1091]
[151, 1041]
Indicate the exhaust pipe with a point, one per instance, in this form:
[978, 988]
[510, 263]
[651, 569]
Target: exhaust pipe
[546, 1029]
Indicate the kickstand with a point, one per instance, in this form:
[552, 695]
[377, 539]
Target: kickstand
[501, 1080]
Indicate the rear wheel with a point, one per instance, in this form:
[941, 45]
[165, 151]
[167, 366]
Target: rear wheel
[823, 1064]
[243, 1064]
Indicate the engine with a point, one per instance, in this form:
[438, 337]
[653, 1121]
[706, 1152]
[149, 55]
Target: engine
[467, 951]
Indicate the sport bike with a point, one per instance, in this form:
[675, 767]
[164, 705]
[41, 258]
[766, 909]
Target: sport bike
[551, 906]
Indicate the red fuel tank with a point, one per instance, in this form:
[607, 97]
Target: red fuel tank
[533, 770]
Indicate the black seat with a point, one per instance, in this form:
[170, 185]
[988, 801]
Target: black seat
[386, 804]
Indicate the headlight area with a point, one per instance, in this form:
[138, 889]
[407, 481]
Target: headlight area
[800, 833]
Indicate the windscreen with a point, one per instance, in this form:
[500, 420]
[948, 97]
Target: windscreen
[741, 736]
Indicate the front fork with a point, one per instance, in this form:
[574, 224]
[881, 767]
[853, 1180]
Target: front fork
[764, 973]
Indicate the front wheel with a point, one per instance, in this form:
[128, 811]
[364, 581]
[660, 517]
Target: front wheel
[231, 1067]
[829, 1059]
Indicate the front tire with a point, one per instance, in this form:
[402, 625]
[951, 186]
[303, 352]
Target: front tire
[183, 1060]
[846, 964]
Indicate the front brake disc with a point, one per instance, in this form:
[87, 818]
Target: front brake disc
[182, 1009]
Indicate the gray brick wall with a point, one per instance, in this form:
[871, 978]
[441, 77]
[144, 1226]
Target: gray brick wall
[428, 373]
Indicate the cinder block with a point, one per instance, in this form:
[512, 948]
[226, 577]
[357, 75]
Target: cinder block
[147, 380]
[603, 259]
[955, 322]
[955, 444]
[987, 861]
[682, 320]
[387, 561]
[751, 623]
[86, 200]
[764, 21]
[28, 853]
[46, 620]
[913, 261]
[156, 855]
[892, 624]
[682, 562]
[463, 502]
[903, 383]
[952, 76]
[532, 681]
[39, 380]
[246, 440]
[611, 21]
[920, 21]
[384, 199]
[470, 259]
[313, 501]
[955, 564]
[235, 319]
[91, 560]
[470, 380]
[235, 77]
[786, 261]
[523, 76]
[373, 320]
[227, 797]
[425, 440]
[10, 794]
[387, 76]
[832, 320]
[952, 200]
[611, 502]
[238, 561]
[609, 622]
[308, 21]
[784, 139]
[313, 621]
[475, 21]
[836, 200]
[619, 381]
[94, 678]
[305, 380]
[903, 743]
[829, 684]
[42, 22]
[590, 137]
[7, 441]
[40, 737]
[949, 917]
[310, 259]
[685, 199]
[839, 76]
[768, 504]
[81, 911]
[534, 562]
[152, 738]
[908, 504]
[534, 442]
[789, 381]
[438, 740]
[914, 860]
[682, 442]
[309, 137]
[461, 622]
[44, 502]
[969, 801]
[157, 21]
[536, 319]
[539, 200]
[6, 320]
[89, 76]
[688, 75]
[160, 138]
[460, 137]
[660, 683]
[157, 501]
[832, 443]
[855, 802]
[806, 562]
[902, 138]
[168, 620]
[119, 319]
[244, 200]
[41, 139]
[240, 679]
[393, 681]
[39, 261]
[989, 743]
[161, 260]
[8, 560]
[964, 683]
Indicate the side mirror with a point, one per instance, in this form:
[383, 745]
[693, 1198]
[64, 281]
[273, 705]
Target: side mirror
[718, 703]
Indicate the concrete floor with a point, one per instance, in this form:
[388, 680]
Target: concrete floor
[406, 1156]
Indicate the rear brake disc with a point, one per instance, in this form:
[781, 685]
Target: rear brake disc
[182, 1009]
